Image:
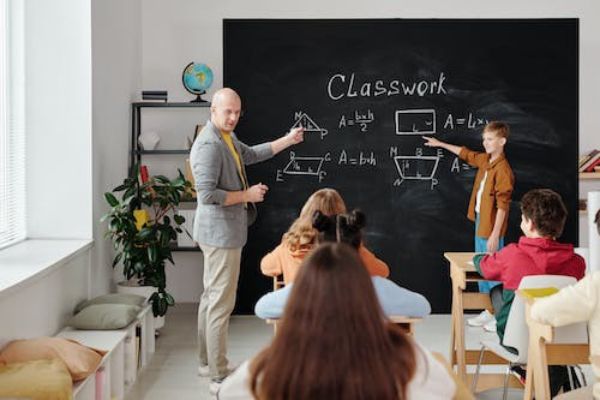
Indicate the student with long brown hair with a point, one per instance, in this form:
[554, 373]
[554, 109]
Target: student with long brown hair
[301, 238]
[335, 343]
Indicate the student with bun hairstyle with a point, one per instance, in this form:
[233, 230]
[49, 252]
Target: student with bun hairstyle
[347, 228]
[301, 238]
[334, 342]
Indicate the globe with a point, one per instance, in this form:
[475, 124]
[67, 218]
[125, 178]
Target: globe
[197, 78]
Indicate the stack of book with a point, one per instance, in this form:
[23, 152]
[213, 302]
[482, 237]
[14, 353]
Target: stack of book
[590, 162]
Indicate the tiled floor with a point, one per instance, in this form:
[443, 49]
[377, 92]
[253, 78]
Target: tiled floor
[172, 373]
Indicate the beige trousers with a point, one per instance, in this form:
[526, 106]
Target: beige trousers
[221, 273]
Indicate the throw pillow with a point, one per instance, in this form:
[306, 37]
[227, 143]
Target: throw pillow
[80, 360]
[36, 380]
[113, 298]
[104, 317]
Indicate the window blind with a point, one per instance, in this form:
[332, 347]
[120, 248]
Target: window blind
[12, 123]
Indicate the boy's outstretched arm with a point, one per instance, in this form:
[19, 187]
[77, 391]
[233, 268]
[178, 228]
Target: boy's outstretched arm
[433, 142]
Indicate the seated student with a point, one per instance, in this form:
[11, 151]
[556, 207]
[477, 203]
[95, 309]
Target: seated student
[577, 303]
[394, 299]
[537, 253]
[301, 238]
[335, 343]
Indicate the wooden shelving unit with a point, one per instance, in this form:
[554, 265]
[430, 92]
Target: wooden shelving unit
[589, 175]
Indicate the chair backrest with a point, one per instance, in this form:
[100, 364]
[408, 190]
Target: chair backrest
[516, 333]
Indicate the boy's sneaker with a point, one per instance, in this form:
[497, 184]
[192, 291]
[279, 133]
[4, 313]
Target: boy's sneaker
[520, 373]
[490, 326]
[481, 319]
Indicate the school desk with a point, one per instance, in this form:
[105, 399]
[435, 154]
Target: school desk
[461, 272]
[407, 323]
[542, 352]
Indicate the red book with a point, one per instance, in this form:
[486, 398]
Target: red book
[594, 155]
[596, 162]
[144, 173]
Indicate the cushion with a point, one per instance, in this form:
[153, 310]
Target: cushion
[37, 380]
[104, 317]
[80, 360]
[113, 298]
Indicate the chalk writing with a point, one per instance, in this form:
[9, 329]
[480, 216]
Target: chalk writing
[340, 86]
[303, 120]
[362, 159]
[417, 167]
[303, 165]
[361, 119]
[415, 122]
[470, 121]
[457, 165]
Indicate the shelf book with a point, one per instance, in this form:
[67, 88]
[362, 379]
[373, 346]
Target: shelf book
[588, 161]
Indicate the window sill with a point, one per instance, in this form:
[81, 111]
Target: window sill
[31, 260]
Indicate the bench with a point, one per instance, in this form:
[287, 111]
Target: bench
[128, 351]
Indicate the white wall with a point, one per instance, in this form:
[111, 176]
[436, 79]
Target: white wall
[116, 79]
[42, 306]
[58, 113]
[179, 31]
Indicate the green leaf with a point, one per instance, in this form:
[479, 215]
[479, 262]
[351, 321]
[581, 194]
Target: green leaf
[152, 254]
[179, 219]
[170, 299]
[162, 179]
[111, 199]
[117, 259]
[120, 188]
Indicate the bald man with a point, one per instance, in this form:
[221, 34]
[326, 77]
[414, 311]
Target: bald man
[225, 209]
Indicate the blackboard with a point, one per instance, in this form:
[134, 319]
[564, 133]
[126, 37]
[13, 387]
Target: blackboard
[366, 90]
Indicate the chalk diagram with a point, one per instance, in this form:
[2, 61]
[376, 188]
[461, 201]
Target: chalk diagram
[303, 165]
[302, 119]
[415, 122]
[416, 168]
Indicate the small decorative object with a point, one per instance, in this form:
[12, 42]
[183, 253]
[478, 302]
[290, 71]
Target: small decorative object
[190, 141]
[154, 95]
[149, 140]
[196, 79]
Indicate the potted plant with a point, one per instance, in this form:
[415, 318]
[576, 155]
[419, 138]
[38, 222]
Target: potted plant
[142, 225]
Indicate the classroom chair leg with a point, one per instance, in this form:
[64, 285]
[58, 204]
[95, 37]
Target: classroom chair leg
[505, 390]
[477, 370]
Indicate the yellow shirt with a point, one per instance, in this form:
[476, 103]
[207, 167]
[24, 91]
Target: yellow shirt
[229, 141]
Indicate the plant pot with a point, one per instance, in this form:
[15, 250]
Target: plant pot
[146, 291]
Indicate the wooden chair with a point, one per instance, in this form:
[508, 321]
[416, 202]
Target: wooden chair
[516, 334]
[278, 282]
[547, 347]
[405, 322]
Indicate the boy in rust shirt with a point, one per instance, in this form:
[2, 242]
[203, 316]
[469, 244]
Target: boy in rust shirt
[490, 199]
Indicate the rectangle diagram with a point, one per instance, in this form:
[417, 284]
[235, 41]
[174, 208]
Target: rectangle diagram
[415, 122]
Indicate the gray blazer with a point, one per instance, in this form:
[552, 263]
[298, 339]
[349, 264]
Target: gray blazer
[216, 173]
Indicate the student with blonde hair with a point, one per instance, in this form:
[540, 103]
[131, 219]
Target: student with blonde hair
[301, 238]
[334, 342]
[347, 228]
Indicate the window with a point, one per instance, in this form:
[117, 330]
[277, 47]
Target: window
[12, 124]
